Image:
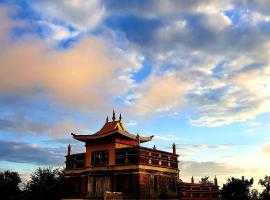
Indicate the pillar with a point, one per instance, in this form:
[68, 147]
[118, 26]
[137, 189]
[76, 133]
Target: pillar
[112, 157]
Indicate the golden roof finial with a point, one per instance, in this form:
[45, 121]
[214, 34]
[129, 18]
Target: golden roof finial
[113, 117]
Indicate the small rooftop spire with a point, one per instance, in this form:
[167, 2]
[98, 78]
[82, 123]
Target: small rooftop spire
[120, 117]
[69, 150]
[113, 117]
[192, 179]
[174, 148]
[138, 139]
[215, 181]
[107, 119]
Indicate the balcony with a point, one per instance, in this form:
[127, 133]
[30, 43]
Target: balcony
[75, 161]
[126, 156]
[145, 156]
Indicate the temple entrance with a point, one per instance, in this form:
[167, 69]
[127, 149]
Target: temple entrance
[97, 185]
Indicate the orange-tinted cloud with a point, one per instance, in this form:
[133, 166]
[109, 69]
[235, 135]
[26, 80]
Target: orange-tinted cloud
[83, 76]
[266, 149]
[160, 94]
[7, 24]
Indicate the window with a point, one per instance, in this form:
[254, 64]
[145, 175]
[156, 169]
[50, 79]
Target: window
[126, 156]
[100, 158]
[74, 186]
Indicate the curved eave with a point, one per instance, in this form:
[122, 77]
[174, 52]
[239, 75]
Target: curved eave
[85, 138]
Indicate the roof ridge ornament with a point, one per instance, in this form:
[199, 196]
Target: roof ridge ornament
[174, 148]
[69, 150]
[107, 119]
[138, 139]
[113, 117]
[215, 181]
[120, 117]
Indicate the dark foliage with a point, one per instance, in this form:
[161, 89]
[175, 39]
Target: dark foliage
[45, 184]
[205, 180]
[254, 194]
[265, 195]
[236, 189]
[9, 185]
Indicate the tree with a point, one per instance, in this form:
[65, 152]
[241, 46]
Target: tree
[45, 183]
[9, 185]
[236, 189]
[254, 194]
[205, 180]
[265, 183]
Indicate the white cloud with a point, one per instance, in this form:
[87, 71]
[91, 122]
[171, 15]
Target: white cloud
[169, 8]
[81, 14]
[165, 137]
[132, 123]
[58, 32]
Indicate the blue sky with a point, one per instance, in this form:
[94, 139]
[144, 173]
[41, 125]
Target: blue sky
[196, 73]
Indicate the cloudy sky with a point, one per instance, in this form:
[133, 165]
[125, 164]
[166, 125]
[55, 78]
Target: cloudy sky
[196, 73]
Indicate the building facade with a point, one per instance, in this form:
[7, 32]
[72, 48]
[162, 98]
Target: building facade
[115, 161]
[197, 191]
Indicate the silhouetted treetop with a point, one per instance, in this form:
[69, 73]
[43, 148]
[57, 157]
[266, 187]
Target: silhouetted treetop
[45, 183]
[236, 189]
[9, 185]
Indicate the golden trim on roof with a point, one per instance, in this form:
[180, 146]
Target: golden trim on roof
[109, 128]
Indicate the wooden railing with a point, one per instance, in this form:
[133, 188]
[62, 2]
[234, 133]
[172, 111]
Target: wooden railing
[75, 161]
[131, 156]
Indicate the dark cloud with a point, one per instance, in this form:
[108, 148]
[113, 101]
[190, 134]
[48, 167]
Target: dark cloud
[137, 29]
[207, 27]
[21, 152]
[24, 126]
[36, 116]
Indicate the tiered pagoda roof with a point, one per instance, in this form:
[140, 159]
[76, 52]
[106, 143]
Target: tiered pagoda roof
[111, 128]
